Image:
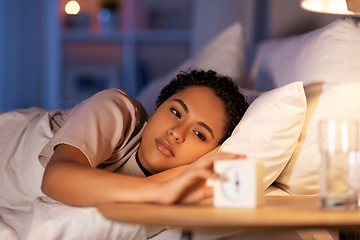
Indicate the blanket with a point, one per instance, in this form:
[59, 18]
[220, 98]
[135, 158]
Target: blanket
[49, 219]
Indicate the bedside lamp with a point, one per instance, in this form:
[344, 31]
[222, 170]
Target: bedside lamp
[342, 7]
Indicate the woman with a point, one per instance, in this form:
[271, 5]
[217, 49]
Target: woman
[195, 113]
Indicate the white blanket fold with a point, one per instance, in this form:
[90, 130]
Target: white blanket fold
[49, 219]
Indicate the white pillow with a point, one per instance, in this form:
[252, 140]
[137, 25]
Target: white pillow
[225, 54]
[324, 101]
[327, 61]
[329, 54]
[270, 129]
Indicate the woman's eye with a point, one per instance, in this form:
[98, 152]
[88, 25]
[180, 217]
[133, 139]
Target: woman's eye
[176, 113]
[200, 135]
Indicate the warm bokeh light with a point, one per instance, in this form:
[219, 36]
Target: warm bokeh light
[326, 6]
[72, 7]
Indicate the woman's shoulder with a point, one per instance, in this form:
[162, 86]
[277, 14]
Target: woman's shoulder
[112, 94]
[116, 96]
[113, 102]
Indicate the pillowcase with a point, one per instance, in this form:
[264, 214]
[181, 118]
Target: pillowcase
[326, 60]
[225, 55]
[329, 54]
[270, 129]
[324, 101]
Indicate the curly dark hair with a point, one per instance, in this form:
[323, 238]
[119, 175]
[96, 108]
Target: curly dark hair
[235, 103]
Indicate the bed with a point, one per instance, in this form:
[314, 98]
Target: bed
[291, 83]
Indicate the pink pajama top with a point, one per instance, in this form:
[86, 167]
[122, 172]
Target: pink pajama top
[107, 128]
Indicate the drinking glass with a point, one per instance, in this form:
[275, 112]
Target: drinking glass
[338, 175]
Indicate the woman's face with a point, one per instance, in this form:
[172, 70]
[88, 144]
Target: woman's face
[185, 127]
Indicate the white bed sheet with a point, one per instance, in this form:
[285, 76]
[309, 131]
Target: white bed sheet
[49, 219]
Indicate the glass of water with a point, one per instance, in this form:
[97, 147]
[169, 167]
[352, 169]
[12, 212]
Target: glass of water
[338, 173]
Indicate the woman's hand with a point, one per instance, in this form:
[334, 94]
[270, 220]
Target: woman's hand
[189, 186]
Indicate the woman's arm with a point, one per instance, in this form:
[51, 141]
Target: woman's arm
[68, 178]
[171, 173]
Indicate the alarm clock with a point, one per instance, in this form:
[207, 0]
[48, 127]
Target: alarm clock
[240, 184]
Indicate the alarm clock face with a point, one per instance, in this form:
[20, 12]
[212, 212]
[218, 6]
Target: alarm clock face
[235, 183]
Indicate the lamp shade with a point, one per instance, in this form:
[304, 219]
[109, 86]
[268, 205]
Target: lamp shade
[342, 7]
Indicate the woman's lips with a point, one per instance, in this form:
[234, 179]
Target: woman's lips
[165, 147]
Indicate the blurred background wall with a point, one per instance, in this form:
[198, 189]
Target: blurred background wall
[51, 59]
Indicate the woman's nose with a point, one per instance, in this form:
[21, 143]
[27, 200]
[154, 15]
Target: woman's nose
[177, 134]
